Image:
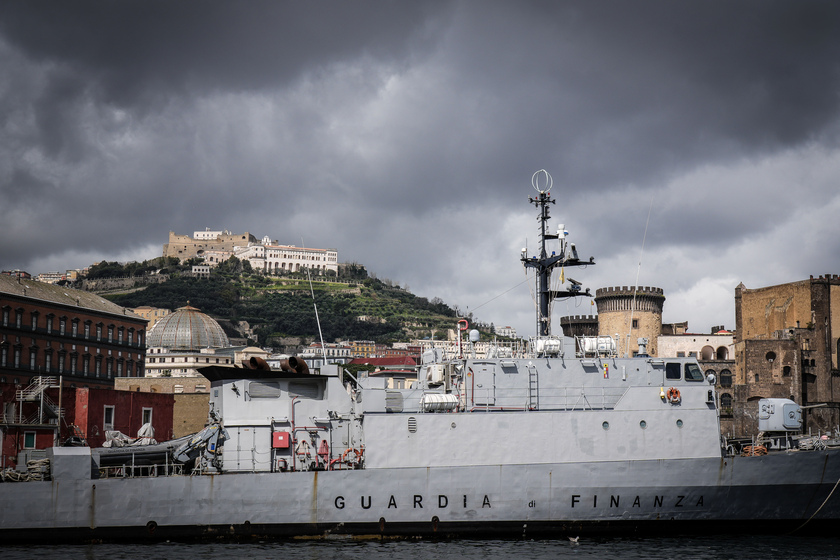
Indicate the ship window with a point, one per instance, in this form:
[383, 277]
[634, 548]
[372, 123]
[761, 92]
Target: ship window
[672, 371]
[264, 389]
[693, 372]
[304, 390]
[393, 401]
[643, 424]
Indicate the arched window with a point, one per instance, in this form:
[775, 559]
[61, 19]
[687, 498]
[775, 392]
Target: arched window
[722, 353]
[726, 400]
[707, 353]
[725, 378]
[770, 356]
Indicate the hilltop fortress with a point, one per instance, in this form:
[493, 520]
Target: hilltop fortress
[266, 254]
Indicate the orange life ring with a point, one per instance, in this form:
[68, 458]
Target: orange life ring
[352, 459]
[673, 395]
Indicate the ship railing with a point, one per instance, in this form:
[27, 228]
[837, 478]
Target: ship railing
[559, 398]
[141, 471]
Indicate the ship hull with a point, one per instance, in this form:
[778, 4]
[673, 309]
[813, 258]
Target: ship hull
[774, 493]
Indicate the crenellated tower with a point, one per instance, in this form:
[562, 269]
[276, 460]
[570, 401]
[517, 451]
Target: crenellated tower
[632, 313]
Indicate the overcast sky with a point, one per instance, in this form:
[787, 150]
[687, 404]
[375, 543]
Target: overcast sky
[405, 135]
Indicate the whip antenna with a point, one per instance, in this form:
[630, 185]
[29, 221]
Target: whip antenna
[636, 287]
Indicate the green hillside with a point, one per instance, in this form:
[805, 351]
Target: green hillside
[278, 307]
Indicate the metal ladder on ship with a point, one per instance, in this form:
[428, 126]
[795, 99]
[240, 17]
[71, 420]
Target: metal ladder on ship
[533, 388]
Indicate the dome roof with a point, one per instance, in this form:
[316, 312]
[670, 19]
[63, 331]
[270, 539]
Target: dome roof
[187, 329]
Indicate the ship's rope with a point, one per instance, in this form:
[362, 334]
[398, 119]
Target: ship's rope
[531, 288]
[37, 469]
[503, 293]
[819, 508]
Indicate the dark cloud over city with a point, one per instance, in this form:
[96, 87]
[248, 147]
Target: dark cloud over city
[405, 134]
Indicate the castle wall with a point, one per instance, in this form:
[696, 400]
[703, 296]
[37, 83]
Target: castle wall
[579, 325]
[787, 345]
[185, 247]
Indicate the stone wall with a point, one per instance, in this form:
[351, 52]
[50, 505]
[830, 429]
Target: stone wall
[109, 284]
[787, 345]
[190, 413]
[185, 247]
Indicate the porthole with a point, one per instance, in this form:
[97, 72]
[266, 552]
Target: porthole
[643, 424]
[679, 423]
[606, 425]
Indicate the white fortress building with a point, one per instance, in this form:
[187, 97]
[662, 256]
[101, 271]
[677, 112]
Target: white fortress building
[272, 258]
[267, 255]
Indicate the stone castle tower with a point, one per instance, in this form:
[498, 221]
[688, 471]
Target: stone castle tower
[632, 313]
[579, 325]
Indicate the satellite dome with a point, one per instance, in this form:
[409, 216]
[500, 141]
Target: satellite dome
[187, 329]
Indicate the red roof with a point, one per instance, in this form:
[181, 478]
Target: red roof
[386, 362]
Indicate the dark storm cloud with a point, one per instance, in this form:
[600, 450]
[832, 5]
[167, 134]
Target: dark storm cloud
[405, 133]
[133, 47]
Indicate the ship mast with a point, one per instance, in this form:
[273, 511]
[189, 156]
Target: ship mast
[545, 263]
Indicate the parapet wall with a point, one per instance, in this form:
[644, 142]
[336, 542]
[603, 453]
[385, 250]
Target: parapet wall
[628, 291]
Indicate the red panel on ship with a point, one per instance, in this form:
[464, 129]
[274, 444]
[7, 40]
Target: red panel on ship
[280, 440]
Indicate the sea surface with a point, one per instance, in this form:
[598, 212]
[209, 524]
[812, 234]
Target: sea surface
[736, 548]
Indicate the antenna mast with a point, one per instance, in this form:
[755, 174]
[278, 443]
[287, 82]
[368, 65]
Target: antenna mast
[545, 263]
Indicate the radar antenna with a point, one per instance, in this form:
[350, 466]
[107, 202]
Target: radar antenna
[545, 263]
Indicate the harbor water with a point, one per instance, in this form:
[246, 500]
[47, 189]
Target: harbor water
[711, 547]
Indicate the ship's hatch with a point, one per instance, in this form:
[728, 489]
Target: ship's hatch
[484, 384]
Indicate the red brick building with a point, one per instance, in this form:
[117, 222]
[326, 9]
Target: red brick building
[50, 330]
[42, 415]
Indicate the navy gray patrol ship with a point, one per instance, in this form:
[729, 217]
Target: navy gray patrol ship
[562, 438]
